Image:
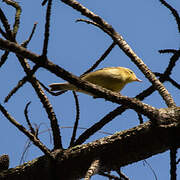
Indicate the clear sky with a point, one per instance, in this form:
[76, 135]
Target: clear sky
[146, 25]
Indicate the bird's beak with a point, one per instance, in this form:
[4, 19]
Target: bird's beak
[138, 80]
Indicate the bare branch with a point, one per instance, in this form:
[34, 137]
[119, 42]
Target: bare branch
[48, 107]
[174, 83]
[111, 177]
[3, 33]
[21, 83]
[122, 175]
[172, 63]
[173, 11]
[93, 169]
[27, 118]
[97, 126]
[25, 43]
[126, 48]
[93, 23]
[36, 141]
[25, 151]
[76, 121]
[100, 59]
[17, 16]
[47, 26]
[6, 25]
[168, 51]
[44, 2]
[84, 85]
[4, 58]
[149, 165]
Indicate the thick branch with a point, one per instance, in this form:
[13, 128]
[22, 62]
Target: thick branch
[114, 151]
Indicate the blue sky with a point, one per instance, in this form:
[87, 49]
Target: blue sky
[146, 25]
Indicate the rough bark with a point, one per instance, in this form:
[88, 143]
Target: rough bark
[114, 151]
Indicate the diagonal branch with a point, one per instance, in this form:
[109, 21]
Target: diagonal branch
[25, 43]
[44, 100]
[131, 103]
[173, 11]
[126, 49]
[6, 24]
[4, 58]
[21, 83]
[17, 16]
[93, 169]
[36, 141]
[100, 59]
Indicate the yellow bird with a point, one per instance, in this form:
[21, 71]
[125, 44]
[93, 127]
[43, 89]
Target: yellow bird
[112, 78]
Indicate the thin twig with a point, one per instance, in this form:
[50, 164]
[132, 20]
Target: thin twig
[21, 83]
[110, 176]
[97, 126]
[167, 51]
[47, 26]
[174, 83]
[163, 76]
[25, 151]
[36, 141]
[4, 58]
[27, 118]
[122, 175]
[17, 16]
[93, 23]
[76, 121]
[172, 63]
[154, 173]
[100, 59]
[6, 25]
[173, 11]
[3, 33]
[25, 43]
[44, 2]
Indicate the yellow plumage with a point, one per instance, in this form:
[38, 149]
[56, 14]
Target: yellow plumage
[112, 78]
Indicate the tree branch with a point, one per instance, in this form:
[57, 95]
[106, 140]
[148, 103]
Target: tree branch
[131, 103]
[114, 151]
[36, 141]
[126, 49]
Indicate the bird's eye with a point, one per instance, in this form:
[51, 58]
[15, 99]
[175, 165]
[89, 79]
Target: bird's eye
[131, 72]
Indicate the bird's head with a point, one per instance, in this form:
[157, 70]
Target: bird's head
[131, 76]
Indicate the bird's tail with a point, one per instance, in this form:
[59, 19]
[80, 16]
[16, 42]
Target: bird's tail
[61, 86]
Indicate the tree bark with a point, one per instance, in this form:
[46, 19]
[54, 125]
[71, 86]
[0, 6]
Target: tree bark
[114, 151]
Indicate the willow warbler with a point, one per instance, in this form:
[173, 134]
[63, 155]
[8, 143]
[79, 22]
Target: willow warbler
[112, 78]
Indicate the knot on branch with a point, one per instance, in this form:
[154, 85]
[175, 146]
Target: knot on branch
[169, 117]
